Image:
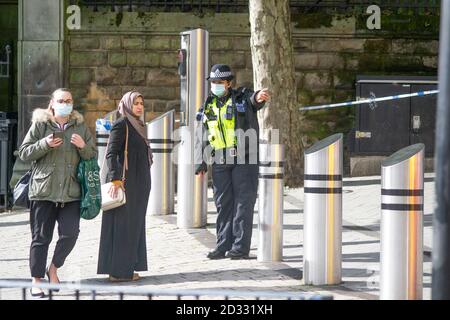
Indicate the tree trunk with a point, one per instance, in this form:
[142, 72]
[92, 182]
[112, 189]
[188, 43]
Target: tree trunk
[273, 67]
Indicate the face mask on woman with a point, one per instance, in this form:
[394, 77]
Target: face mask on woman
[62, 109]
[218, 89]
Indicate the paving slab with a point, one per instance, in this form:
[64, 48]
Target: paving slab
[177, 257]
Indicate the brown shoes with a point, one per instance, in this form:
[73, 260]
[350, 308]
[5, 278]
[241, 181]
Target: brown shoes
[136, 277]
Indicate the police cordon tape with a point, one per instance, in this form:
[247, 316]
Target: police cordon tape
[370, 100]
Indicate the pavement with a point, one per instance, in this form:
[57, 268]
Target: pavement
[177, 257]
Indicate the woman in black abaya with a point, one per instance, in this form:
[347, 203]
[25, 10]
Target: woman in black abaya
[123, 249]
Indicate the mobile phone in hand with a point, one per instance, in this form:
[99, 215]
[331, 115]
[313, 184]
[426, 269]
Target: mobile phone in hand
[58, 134]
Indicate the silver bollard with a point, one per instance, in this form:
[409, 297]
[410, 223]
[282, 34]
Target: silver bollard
[270, 202]
[192, 193]
[402, 224]
[102, 130]
[162, 195]
[323, 212]
[192, 190]
[102, 141]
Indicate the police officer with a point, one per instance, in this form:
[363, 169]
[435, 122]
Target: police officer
[226, 114]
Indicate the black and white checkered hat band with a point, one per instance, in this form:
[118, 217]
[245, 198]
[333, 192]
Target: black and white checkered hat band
[219, 74]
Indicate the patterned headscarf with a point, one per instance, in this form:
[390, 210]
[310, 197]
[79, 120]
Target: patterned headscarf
[126, 110]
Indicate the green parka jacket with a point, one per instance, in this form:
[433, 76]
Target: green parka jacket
[54, 176]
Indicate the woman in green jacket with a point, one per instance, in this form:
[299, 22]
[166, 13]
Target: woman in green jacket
[56, 141]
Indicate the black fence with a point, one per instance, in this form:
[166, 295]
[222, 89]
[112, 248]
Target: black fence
[20, 290]
[360, 6]
[168, 5]
[297, 6]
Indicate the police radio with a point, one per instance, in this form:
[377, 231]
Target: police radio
[229, 114]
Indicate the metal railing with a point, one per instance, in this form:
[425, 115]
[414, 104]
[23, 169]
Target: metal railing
[5, 65]
[351, 4]
[168, 5]
[122, 291]
[297, 6]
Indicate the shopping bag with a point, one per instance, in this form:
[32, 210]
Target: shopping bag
[91, 198]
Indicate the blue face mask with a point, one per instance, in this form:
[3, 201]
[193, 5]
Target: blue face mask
[218, 89]
[62, 109]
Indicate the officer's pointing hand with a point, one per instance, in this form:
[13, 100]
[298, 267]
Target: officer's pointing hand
[263, 95]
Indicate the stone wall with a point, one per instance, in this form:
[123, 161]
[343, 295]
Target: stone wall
[326, 69]
[103, 67]
[115, 52]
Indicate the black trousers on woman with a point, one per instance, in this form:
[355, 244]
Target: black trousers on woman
[43, 216]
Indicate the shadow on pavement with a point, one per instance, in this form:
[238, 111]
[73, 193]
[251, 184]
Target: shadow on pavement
[255, 226]
[291, 246]
[360, 242]
[203, 276]
[292, 258]
[14, 224]
[12, 260]
[361, 257]
[356, 273]
[368, 182]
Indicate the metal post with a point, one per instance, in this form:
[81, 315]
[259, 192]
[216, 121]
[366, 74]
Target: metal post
[8, 138]
[159, 132]
[102, 130]
[323, 212]
[270, 199]
[441, 217]
[402, 224]
[192, 189]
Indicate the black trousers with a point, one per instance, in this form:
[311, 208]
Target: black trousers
[235, 191]
[43, 215]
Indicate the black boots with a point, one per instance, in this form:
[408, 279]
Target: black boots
[236, 255]
[216, 254]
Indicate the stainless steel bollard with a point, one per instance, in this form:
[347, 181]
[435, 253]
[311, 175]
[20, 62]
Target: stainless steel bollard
[270, 202]
[192, 194]
[402, 224]
[162, 195]
[102, 130]
[102, 141]
[192, 197]
[323, 212]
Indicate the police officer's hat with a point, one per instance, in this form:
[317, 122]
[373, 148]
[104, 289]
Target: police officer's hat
[220, 72]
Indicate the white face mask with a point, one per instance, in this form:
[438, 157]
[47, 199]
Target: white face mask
[62, 109]
[218, 89]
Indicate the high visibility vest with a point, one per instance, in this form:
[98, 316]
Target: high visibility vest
[220, 129]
